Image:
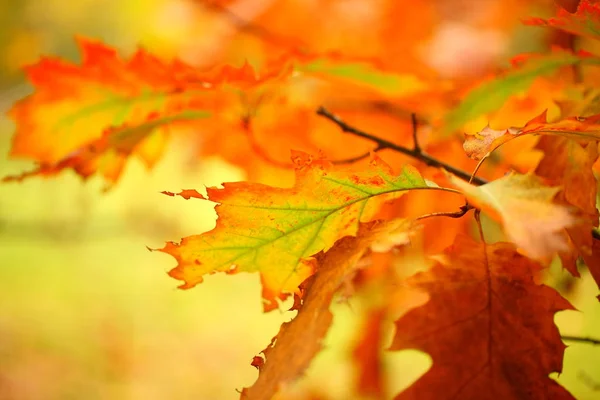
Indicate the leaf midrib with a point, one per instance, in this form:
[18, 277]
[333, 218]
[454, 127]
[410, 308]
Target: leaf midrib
[321, 218]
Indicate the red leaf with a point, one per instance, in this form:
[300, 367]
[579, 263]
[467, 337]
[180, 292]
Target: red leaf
[488, 327]
[585, 21]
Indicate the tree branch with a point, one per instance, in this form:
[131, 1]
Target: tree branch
[418, 154]
[382, 144]
[581, 339]
[415, 125]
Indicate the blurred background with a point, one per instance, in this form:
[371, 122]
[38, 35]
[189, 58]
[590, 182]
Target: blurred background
[87, 312]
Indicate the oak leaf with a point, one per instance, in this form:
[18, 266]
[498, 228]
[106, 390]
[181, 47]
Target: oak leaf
[493, 93]
[276, 231]
[488, 327]
[91, 117]
[367, 353]
[524, 206]
[107, 155]
[363, 73]
[568, 164]
[584, 22]
[298, 341]
[479, 145]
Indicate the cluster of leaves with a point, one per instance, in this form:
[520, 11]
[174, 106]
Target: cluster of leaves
[343, 220]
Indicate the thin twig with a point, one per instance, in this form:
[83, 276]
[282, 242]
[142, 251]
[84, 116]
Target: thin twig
[581, 339]
[455, 214]
[250, 27]
[357, 158]
[417, 153]
[415, 126]
[384, 144]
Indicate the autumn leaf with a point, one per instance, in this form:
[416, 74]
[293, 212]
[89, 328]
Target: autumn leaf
[368, 354]
[584, 22]
[491, 94]
[488, 327]
[364, 74]
[525, 208]
[108, 154]
[276, 231]
[91, 117]
[568, 164]
[479, 145]
[591, 257]
[299, 340]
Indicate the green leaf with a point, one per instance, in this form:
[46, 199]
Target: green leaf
[491, 95]
[386, 83]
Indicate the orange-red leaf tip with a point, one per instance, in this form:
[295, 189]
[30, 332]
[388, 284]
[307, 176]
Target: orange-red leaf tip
[257, 362]
[186, 194]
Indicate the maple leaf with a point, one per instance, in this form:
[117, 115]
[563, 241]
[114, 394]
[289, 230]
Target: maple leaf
[491, 94]
[525, 208]
[479, 145]
[276, 231]
[488, 327]
[91, 117]
[298, 341]
[584, 22]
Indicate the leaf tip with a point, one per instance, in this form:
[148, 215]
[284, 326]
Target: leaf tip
[186, 194]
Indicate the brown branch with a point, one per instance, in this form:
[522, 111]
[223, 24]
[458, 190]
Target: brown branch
[581, 339]
[382, 144]
[415, 125]
[418, 154]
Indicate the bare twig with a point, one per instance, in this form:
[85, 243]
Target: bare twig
[581, 339]
[249, 27]
[456, 214]
[384, 144]
[418, 154]
[357, 158]
[415, 126]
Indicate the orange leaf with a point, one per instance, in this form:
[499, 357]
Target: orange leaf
[298, 341]
[568, 164]
[488, 327]
[479, 145]
[368, 355]
[525, 208]
[91, 117]
[584, 22]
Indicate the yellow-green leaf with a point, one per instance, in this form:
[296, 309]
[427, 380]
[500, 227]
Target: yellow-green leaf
[276, 231]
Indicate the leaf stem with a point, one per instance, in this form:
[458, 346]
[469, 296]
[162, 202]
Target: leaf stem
[415, 152]
[452, 214]
[382, 144]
